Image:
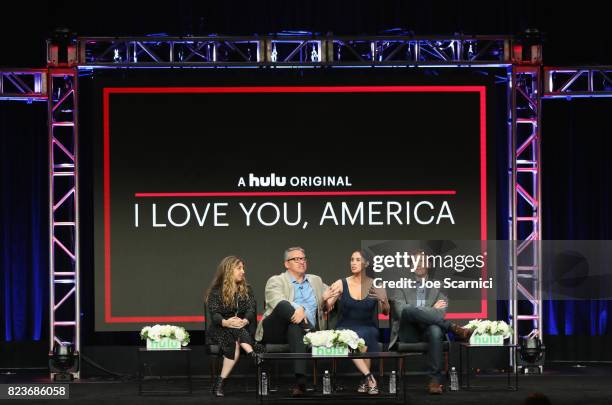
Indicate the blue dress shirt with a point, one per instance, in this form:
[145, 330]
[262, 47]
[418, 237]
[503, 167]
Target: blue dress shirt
[304, 296]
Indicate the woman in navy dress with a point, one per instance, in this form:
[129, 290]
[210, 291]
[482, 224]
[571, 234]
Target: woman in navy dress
[359, 302]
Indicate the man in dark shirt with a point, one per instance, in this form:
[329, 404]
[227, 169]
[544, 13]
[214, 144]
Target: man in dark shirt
[418, 315]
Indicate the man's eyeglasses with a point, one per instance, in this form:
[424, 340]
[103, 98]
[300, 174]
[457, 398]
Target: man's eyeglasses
[297, 259]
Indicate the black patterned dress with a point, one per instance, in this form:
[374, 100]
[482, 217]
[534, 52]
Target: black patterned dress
[226, 338]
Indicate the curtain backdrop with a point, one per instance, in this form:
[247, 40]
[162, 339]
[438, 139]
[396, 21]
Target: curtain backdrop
[24, 217]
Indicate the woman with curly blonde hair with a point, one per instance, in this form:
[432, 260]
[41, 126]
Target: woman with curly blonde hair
[232, 305]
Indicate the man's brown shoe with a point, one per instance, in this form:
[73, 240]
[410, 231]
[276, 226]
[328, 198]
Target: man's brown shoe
[298, 390]
[461, 333]
[434, 388]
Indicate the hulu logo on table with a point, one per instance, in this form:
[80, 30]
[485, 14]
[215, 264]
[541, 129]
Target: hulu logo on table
[491, 340]
[330, 351]
[163, 344]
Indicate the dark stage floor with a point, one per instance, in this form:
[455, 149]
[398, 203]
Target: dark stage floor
[562, 384]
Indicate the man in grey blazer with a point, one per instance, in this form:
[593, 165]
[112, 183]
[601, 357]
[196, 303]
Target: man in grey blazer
[293, 301]
[418, 315]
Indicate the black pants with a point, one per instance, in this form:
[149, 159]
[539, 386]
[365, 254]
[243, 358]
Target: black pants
[278, 329]
[423, 324]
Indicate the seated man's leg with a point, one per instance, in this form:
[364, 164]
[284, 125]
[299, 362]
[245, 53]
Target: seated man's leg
[279, 329]
[424, 316]
[295, 338]
[275, 325]
[435, 337]
[409, 331]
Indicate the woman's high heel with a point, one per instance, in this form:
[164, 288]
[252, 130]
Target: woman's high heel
[372, 389]
[217, 388]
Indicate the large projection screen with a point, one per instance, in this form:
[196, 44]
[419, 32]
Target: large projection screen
[185, 175]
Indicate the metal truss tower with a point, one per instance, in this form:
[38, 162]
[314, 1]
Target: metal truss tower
[57, 85]
[525, 216]
[64, 269]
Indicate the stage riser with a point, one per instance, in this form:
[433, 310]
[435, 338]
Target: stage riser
[578, 348]
[123, 359]
[20, 355]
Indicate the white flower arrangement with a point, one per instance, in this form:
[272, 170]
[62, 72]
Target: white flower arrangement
[486, 327]
[157, 332]
[331, 338]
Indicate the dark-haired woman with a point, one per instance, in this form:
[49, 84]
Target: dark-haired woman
[359, 310]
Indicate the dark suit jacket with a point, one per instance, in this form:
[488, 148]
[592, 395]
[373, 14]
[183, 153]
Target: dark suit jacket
[399, 298]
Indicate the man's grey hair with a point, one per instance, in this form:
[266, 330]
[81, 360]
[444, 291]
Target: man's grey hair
[291, 249]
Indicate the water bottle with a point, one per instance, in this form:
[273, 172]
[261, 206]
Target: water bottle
[454, 380]
[263, 384]
[393, 383]
[326, 383]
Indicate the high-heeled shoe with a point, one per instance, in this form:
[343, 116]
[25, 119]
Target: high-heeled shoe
[372, 389]
[217, 388]
[256, 359]
[363, 385]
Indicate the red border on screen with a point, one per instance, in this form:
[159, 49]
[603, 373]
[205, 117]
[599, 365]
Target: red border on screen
[107, 91]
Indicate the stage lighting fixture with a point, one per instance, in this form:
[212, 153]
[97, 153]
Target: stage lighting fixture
[531, 354]
[62, 47]
[529, 49]
[63, 362]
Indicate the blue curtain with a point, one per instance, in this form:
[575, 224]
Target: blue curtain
[576, 191]
[24, 219]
